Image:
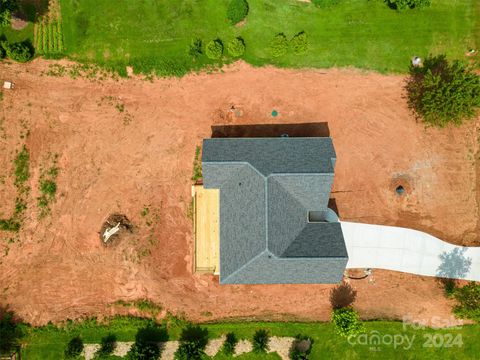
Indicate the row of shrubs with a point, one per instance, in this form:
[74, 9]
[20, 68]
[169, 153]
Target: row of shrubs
[193, 341]
[214, 49]
[19, 51]
[399, 5]
[280, 44]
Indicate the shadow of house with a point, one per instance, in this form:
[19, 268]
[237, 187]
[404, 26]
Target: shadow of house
[319, 129]
[454, 264]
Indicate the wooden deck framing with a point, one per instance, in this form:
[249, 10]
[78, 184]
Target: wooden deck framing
[206, 227]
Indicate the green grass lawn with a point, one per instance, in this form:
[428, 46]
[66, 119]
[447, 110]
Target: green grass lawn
[154, 34]
[17, 35]
[48, 342]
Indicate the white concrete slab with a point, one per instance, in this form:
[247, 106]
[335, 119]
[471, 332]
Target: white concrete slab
[408, 250]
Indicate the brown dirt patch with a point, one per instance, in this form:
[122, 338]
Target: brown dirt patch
[57, 268]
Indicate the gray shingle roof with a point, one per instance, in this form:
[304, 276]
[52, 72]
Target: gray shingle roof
[267, 188]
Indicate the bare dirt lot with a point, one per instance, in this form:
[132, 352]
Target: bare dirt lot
[128, 147]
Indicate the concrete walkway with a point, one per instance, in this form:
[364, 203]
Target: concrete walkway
[407, 250]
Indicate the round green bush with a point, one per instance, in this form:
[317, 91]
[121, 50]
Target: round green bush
[236, 47]
[279, 45]
[299, 43]
[74, 348]
[237, 10]
[346, 322]
[20, 52]
[214, 49]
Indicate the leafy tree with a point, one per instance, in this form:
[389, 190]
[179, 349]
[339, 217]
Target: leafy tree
[107, 346]
[74, 348]
[237, 10]
[301, 348]
[193, 341]
[229, 344]
[20, 51]
[10, 333]
[299, 43]
[342, 296]
[146, 343]
[468, 298]
[6, 9]
[443, 93]
[236, 47]
[407, 4]
[346, 322]
[260, 340]
[214, 49]
[279, 45]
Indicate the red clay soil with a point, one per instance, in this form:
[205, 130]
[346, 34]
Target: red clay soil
[129, 144]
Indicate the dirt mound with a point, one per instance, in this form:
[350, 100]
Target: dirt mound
[113, 228]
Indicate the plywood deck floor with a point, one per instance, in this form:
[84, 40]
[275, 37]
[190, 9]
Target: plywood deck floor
[207, 229]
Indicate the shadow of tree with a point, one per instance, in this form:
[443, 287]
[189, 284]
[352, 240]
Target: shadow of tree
[454, 264]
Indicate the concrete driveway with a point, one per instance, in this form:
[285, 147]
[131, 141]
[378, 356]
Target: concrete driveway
[407, 250]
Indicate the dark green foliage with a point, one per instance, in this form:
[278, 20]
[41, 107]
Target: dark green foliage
[10, 332]
[197, 165]
[146, 343]
[237, 10]
[9, 225]
[193, 341]
[407, 4]
[236, 47]
[301, 348]
[22, 164]
[260, 340]
[6, 9]
[468, 298]
[107, 346]
[48, 188]
[279, 45]
[195, 48]
[443, 93]
[346, 322]
[74, 348]
[214, 49]
[299, 43]
[20, 52]
[449, 286]
[325, 3]
[231, 341]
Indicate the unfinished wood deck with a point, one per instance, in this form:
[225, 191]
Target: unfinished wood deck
[206, 229]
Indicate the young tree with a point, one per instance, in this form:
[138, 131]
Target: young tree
[260, 340]
[342, 296]
[229, 344]
[193, 341]
[441, 92]
[10, 333]
[74, 348]
[107, 346]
